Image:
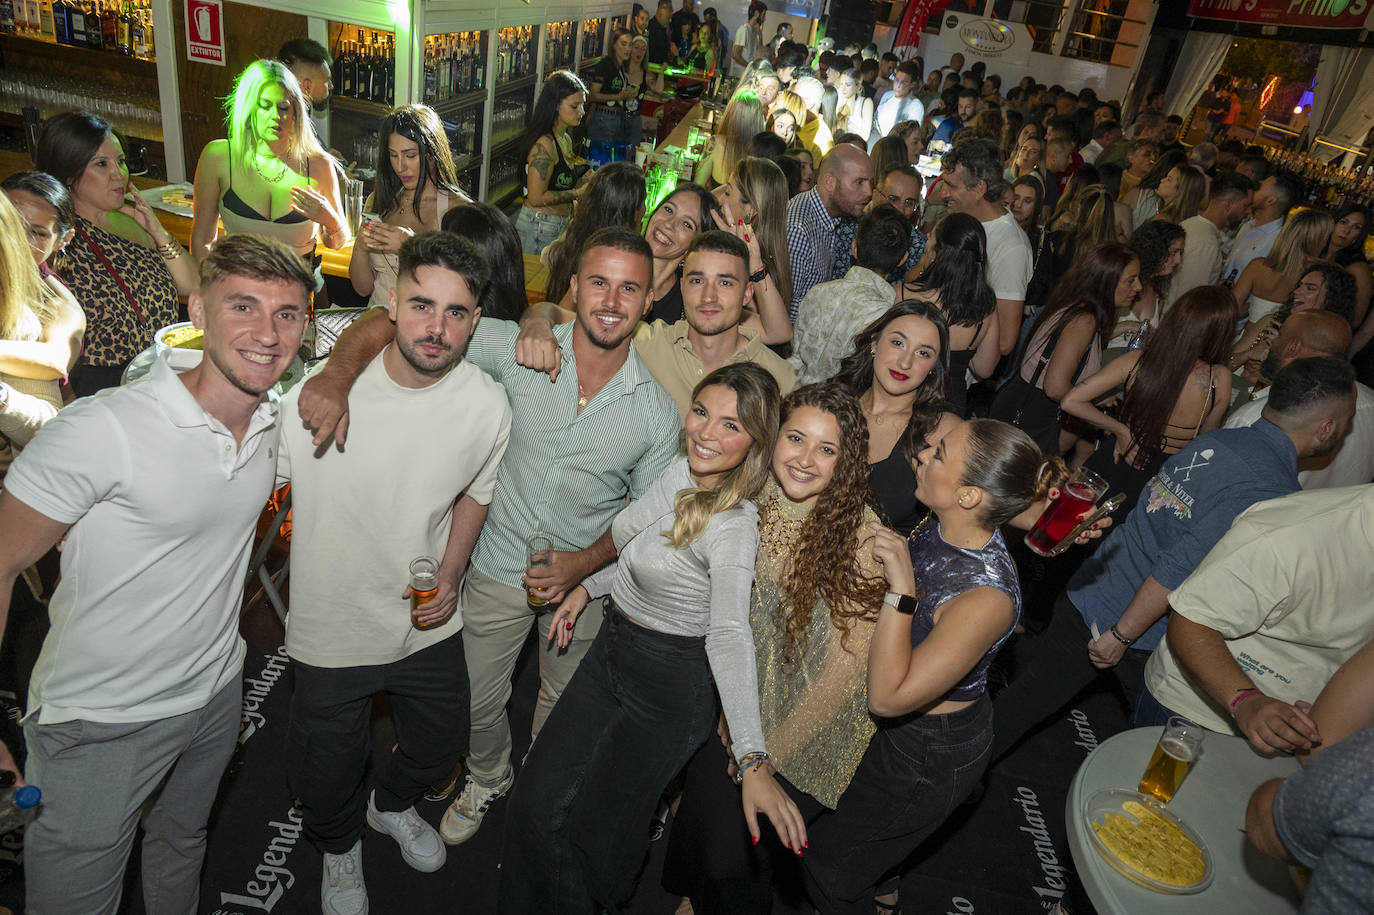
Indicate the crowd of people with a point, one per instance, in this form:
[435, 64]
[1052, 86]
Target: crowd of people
[753, 475]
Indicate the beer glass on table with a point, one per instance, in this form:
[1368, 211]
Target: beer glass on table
[538, 548]
[1174, 755]
[1051, 532]
[424, 584]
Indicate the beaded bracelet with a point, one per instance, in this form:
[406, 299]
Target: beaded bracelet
[749, 761]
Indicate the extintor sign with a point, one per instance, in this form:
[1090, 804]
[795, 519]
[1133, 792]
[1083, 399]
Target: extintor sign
[205, 31]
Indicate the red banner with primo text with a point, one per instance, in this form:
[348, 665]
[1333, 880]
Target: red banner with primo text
[1296, 14]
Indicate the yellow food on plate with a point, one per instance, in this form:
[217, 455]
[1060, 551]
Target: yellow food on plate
[185, 338]
[1152, 844]
[177, 197]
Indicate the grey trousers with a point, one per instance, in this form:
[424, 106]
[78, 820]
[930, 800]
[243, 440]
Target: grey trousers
[98, 781]
[496, 622]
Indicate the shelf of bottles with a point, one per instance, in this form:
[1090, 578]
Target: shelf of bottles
[560, 45]
[506, 177]
[516, 59]
[364, 70]
[124, 29]
[593, 41]
[455, 70]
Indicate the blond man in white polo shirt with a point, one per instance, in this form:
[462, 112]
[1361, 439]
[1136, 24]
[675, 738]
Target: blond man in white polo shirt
[156, 488]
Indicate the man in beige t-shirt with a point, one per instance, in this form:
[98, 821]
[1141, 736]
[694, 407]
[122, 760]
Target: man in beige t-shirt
[1276, 607]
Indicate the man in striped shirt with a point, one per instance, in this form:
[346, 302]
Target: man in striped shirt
[600, 431]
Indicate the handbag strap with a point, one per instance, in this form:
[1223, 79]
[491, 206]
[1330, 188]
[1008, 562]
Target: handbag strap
[114, 274]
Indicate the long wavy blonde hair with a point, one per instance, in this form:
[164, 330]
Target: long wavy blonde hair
[1299, 242]
[242, 104]
[756, 398]
[21, 285]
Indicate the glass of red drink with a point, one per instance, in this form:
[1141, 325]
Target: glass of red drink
[1076, 498]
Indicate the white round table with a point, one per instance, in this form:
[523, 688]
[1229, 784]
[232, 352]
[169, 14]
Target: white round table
[1212, 801]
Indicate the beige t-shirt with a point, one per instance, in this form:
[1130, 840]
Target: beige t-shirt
[360, 515]
[668, 353]
[1291, 590]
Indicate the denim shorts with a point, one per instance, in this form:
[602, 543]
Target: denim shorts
[537, 230]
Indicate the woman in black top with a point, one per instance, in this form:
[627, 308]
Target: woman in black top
[553, 174]
[610, 91]
[898, 370]
[683, 214]
[955, 282]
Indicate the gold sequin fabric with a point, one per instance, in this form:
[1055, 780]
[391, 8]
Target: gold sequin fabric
[814, 707]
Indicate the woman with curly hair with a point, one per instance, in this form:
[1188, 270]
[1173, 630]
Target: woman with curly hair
[817, 593]
[1177, 387]
[614, 196]
[678, 618]
[953, 601]
[1065, 342]
[955, 282]
[1159, 245]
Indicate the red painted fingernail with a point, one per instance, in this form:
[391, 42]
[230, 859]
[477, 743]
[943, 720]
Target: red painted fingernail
[788, 844]
[739, 222]
[806, 844]
[756, 839]
[569, 624]
[746, 236]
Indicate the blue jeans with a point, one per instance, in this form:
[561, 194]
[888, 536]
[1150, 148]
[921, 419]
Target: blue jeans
[914, 774]
[638, 707]
[537, 230]
[1150, 712]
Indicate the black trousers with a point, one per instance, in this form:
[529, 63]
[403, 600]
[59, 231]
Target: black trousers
[914, 774]
[640, 703]
[329, 737]
[1056, 672]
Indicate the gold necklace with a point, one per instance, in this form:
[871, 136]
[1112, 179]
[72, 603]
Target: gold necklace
[258, 168]
[581, 396]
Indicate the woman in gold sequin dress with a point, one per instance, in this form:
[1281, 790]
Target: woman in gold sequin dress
[817, 591]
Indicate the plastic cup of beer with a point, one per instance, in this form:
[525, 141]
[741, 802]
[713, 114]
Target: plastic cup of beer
[1174, 755]
[424, 584]
[1078, 495]
[538, 548]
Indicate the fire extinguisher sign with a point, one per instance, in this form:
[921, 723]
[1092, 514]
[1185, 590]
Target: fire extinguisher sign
[205, 31]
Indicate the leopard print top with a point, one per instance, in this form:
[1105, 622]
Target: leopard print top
[115, 331]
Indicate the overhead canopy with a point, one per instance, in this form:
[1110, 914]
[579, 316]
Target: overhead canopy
[1347, 22]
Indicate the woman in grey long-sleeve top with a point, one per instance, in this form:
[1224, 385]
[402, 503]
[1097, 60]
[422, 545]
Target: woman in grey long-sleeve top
[642, 702]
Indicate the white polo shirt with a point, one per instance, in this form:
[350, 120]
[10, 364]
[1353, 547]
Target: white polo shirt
[162, 503]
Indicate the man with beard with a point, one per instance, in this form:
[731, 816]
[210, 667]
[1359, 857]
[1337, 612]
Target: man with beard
[1114, 612]
[154, 489]
[310, 62]
[844, 185]
[1318, 333]
[602, 430]
[433, 427]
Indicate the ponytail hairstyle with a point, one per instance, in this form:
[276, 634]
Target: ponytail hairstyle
[1095, 221]
[824, 567]
[757, 398]
[1006, 464]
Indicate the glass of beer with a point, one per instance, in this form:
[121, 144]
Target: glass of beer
[1174, 755]
[1079, 494]
[424, 584]
[537, 549]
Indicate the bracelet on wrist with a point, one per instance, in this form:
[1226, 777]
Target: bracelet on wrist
[1116, 634]
[758, 276]
[750, 761]
[1241, 696]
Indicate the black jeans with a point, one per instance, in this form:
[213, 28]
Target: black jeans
[913, 775]
[1057, 671]
[577, 825]
[330, 735]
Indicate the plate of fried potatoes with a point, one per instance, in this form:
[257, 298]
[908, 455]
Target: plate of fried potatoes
[1146, 843]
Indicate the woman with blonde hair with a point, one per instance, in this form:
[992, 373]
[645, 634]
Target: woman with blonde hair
[753, 206]
[1267, 282]
[853, 110]
[271, 177]
[1090, 222]
[35, 340]
[743, 117]
[416, 186]
[678, 619]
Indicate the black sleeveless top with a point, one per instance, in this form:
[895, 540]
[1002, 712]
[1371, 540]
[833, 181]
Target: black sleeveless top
[669, 309]
[562, 177]
[956, 388]
[892, 483]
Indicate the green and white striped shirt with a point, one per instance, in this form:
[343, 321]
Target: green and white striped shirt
[563, 473]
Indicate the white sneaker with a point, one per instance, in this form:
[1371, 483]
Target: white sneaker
[464, 815]
[342, 891]
[420, 845]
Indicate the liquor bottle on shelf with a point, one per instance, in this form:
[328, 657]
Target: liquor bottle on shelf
[149, 50]
[61, 20]
[46, 30]
[389, 91]
[431, 91]
[125, 43]
[109, 25]
[76, 24]
[362, 89]
[95, 32]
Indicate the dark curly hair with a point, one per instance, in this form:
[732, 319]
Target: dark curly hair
[1340, 291]
[1151, 244]
[824, 566]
